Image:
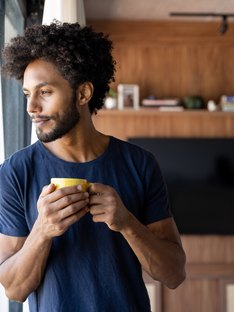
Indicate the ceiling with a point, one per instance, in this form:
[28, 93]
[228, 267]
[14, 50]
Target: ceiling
[153, 9]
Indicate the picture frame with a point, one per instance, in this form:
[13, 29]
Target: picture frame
[128, 96]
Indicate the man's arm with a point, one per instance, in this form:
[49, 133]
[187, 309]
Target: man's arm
[23, 260]
[157, 246]
[22, 264]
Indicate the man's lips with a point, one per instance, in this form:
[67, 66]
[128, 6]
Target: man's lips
[39, 121]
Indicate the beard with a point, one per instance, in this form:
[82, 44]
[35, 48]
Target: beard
[65, 121]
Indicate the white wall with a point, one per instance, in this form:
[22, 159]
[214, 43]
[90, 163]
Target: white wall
[3, 300]
[4, 306]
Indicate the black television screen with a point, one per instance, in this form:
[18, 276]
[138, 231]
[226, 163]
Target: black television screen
[199, 173]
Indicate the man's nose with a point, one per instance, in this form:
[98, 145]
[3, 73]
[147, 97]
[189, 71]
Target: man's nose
[33, 105]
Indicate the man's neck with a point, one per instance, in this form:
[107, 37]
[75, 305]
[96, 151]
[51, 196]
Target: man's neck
[82, 144]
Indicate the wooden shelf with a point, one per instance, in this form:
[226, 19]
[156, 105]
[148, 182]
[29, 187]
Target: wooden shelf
[129, 123]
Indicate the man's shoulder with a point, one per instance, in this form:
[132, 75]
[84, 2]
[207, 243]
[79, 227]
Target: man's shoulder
[130, 148]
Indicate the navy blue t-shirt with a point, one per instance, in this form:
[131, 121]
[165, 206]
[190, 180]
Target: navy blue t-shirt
[90, 268]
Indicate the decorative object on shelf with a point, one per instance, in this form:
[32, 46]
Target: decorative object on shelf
[128, 96]
[110, 100]
[212, 106]
[224, 22]
[227, 103]
[167, 104]
[193, 102]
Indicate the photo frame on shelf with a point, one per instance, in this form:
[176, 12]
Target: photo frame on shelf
[128, 96]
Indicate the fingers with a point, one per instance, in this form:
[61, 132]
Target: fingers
[106, 206]
[97, 209]
[98, 189]
[58, 209]
[103, 204]
[74, 206]
[68, 201]
[60, 222]
[53, 227]
[65, 191]
[47, 189]
[62, 197]
[64, 207]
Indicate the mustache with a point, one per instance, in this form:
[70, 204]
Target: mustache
[40, 117]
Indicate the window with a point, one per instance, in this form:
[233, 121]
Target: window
[12, 112]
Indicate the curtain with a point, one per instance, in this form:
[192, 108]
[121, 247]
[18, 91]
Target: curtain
[16, 122]
[2, 149]
[3, 299]
[2, 13]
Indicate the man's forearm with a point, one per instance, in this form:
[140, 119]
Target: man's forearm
[162, 259]
[21, 273]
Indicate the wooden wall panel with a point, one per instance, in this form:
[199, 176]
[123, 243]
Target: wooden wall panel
[193, 296]
[209, 268]
[173, 59]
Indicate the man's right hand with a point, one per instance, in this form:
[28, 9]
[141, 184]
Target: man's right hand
[58, 209]
[24, 258]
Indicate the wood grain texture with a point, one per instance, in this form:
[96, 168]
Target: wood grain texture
[126, 124]
[210, 266]
[173, 59]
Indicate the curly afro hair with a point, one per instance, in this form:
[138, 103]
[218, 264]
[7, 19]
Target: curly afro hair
[79, 53]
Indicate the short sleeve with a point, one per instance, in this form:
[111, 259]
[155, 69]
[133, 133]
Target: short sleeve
[156, 198]
[12, 216]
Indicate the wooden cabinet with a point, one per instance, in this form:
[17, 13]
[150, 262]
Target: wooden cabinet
[209, 286]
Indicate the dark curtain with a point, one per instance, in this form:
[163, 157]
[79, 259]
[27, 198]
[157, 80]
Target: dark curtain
[2, 14]
[14, 16]
[17, 128]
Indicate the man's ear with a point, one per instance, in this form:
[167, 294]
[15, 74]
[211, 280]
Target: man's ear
[84, 92]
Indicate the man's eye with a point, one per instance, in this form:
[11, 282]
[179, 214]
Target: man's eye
[26, 95]
[45, 92]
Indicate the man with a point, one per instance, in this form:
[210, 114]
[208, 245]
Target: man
[69, 250]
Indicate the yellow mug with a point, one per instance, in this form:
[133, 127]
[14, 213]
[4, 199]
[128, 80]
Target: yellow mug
[64, 182]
